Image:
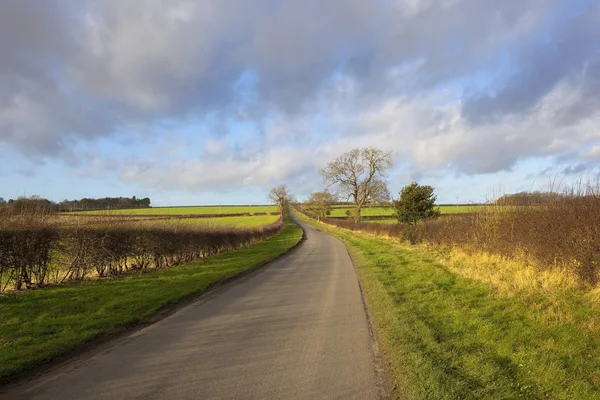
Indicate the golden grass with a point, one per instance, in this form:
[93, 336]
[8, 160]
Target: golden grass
[507, 275]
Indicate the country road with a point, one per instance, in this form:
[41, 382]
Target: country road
[295, 329]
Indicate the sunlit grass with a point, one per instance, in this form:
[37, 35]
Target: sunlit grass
[238, 222]
[340, 211]
[187, 210]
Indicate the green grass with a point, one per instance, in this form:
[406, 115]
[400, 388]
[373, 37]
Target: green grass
[187, 210]
[449, 337]
[238, 222]
[340, 211]
[39, 325]
[365, 212]
[459, 209]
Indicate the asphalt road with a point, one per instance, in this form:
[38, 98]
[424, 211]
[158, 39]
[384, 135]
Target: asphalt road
[295, 329]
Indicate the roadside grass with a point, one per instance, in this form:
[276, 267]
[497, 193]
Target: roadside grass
[200, 210]
[446, 336]
[39, 325]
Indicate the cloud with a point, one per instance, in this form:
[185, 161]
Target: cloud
[463, 86]
[563, 52]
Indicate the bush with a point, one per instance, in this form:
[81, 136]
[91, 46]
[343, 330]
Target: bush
[416, 203]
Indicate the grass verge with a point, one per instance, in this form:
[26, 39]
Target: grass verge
[39, 325]
[446, 336]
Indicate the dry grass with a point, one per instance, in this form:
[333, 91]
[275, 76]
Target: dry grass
[508, 275]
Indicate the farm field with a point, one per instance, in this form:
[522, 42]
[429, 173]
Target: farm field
[238, 222]
[195, 210]
[340, 211]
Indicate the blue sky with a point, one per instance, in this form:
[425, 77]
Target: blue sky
[192, 102]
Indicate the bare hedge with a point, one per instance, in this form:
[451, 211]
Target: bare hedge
[34, 251]
[564, 233]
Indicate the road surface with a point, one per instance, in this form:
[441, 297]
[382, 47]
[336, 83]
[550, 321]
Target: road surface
[295, 329]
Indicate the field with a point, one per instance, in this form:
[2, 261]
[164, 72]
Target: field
[41, 249]
[340, 211]
[238, 222]
[196, 210]
[473, 327]
[38, 325]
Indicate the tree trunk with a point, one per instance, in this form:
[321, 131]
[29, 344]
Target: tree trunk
[357, 214]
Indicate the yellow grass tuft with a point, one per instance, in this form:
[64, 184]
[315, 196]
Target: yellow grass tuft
[508, 275]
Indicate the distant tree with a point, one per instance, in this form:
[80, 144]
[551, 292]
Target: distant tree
[2, 201]
[380, 196]
[107, 203]
[359, 175]
[530, 198]
[34, 205]
[320, 203]
[415, 203]
[280, 197]
[145, 202]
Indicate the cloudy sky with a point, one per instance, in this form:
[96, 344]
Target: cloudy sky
[214, 102]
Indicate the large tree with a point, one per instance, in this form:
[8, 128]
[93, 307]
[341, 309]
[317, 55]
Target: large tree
[320, 203]
[416, 203]
[280, 197]
[359, 175]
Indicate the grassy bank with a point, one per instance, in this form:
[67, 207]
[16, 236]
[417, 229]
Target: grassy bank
[448, 336]
[38, 325]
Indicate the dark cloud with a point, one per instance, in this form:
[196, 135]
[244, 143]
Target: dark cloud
[563, 50]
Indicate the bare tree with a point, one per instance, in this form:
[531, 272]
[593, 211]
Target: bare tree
[359, 175]
[280, 196]
[320, 203]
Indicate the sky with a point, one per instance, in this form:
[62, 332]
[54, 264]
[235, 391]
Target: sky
[215, 102]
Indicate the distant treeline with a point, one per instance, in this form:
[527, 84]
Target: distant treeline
[39, 205]
[531, 198]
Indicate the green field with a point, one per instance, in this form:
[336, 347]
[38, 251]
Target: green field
[366, 212]
[199, 210]
[39, 325]
[446, 336]
[340, 211]
[459, 209]
[238, 222]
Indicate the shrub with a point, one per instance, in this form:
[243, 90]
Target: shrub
[416, 203]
